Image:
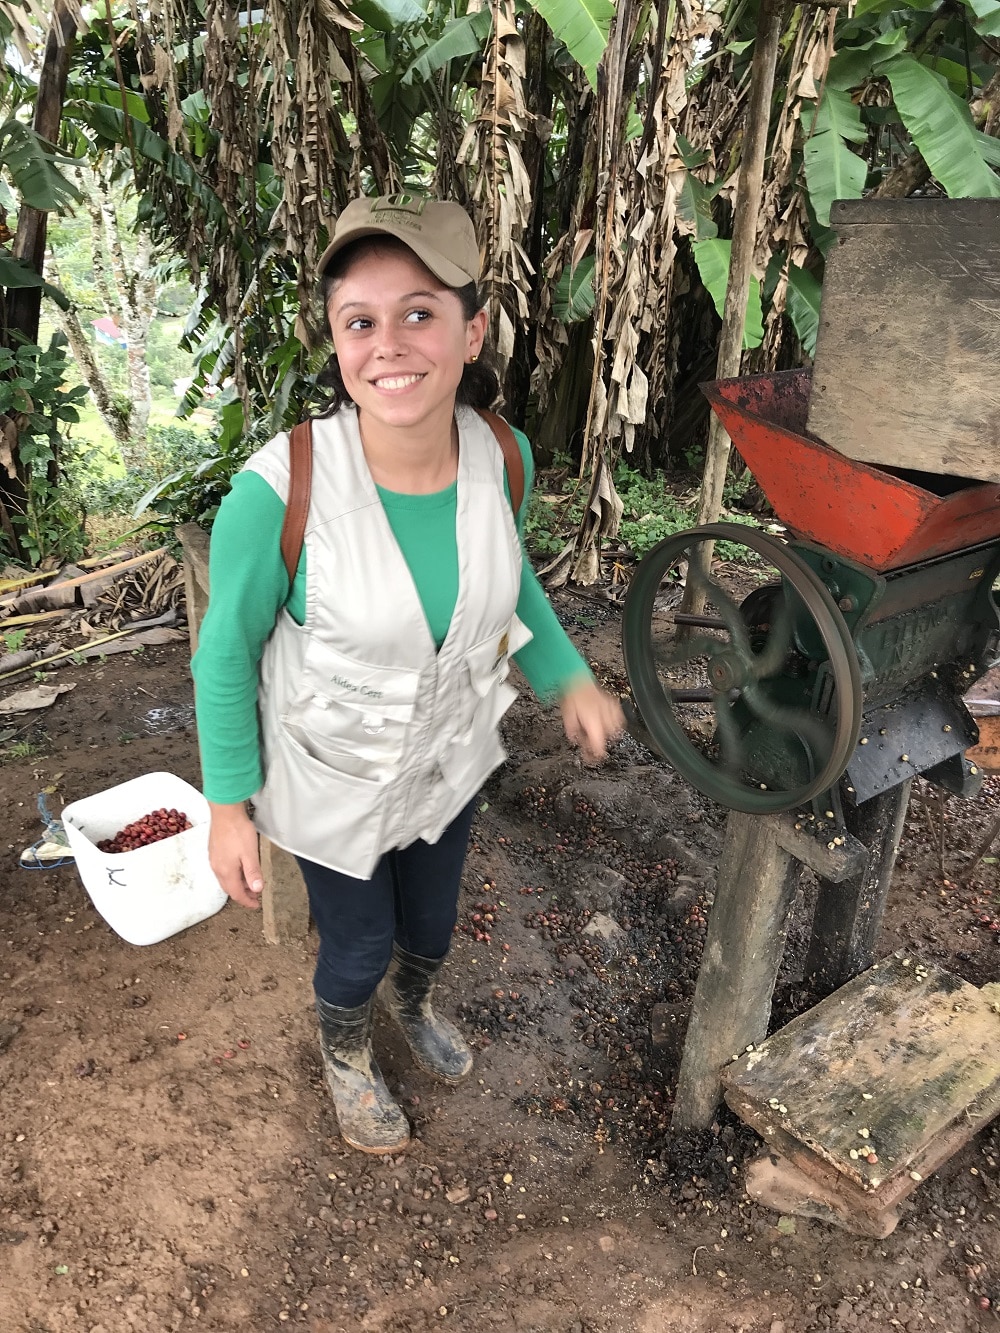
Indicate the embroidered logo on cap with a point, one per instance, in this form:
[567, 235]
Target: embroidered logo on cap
[399, 203]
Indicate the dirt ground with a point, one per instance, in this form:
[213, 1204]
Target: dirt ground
[169, 1158]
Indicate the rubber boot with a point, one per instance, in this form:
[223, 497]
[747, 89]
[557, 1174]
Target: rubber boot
[368, 1116]
[436, 1045]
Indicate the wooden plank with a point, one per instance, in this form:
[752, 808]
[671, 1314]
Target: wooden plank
[848, 914]
[987, 752]
[285, 901]
[900, 1064]
[194, 542]
[909, 336]
[757, 884]
[799, 1186]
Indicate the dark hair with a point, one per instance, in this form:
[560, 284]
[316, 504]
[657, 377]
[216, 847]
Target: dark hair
[479, 385]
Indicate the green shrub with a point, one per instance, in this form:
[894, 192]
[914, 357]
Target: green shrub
[169, 449]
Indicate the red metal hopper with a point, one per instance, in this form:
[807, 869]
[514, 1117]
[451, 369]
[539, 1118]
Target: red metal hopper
[883, 518]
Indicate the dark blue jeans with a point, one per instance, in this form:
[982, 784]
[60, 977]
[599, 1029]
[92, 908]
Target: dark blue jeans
[412, 898]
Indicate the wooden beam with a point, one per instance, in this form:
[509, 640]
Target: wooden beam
[758, 881]
[849, 914]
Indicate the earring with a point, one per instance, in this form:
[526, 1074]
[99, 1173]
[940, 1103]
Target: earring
[474, 358]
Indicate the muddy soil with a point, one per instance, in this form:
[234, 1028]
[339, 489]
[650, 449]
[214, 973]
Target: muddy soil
[169, 1158]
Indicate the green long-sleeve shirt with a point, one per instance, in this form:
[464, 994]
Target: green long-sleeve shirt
[249, 586]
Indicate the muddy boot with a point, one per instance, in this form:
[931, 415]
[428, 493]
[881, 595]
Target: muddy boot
[369, 1119]
[436, 1045]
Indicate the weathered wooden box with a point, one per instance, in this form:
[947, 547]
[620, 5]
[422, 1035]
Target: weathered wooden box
[877, 1086]
[907, 365]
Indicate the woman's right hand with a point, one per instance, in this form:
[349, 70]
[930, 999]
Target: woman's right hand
[234, 853]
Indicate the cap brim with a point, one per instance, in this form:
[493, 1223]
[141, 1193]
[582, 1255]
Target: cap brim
[450, 274]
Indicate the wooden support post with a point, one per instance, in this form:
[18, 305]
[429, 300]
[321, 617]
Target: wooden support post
[746, 217]
[757, 883]
[194, 544]
[285, 902]
[849, 914]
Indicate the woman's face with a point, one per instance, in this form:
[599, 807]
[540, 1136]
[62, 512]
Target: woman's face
[401, 339]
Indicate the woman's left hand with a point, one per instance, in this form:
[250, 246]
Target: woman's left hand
[591, 717]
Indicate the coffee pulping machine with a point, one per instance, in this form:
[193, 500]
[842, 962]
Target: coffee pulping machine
[822, 673]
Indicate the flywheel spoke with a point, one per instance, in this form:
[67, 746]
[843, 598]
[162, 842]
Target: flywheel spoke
[728, 611]
[809, 729]
[729, 699]
[687, 650]
[773, 656]
[728, 733]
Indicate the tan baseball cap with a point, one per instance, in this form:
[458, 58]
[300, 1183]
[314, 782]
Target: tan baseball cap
[440, 233]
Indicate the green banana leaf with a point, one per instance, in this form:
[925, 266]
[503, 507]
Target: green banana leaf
[941, 126]
[15, 273]
[712, 258]
[386, 15]
[573, 298]
[694, 205]
[32, 167]
[802, 304]
[110, 94]
[956, 75]
[109, 123]
[853, 64]
[460, 38]
[582, 27]
[832, 170]
[987, 14]
[396, 105]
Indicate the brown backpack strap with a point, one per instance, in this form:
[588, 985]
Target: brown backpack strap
[300, 482]
[512, 458]
[300, 461]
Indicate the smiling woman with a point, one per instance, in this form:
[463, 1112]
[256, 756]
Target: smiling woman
[358, 704]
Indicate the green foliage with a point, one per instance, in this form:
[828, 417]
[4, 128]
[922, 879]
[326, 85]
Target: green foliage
[35, 397]
[574, 295]
[653, 508]
[712, 257]
[34, 167]
[583, 26]
[651, 511]
[551, 521]
[193, 492]
[803, 306]
[460, 38]
[832, 170]
[942, 128]
[14, 639]
[16, 273]
[694, 203]
[170, 450]
[20, 750]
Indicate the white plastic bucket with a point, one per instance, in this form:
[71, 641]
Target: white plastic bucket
[155, 891]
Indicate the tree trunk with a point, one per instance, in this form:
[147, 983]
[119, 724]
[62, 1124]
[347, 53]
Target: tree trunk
[746, 211]
[24, 303]
[136, 296]
[86, 361]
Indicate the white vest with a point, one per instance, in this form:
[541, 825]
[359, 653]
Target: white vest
[371, 737]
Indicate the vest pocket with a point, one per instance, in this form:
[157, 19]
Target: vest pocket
[487, 696]
[351, 715]
[475, 748]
